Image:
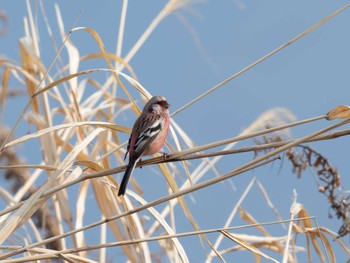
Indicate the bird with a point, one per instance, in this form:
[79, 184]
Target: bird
[148, 135]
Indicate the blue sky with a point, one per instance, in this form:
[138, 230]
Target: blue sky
[193, 50]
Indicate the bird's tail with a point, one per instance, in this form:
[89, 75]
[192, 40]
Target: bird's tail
[127, 174]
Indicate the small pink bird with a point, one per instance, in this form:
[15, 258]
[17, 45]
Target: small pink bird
[148, 135]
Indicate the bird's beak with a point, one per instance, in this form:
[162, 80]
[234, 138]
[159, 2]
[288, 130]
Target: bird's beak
[167, 105]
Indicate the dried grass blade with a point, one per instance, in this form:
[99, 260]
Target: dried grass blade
[67, 125]
[80, 211]
[171, 6]
[105, 201]
[328, 246]
[247, 246]
[112, 57]
[250, 220]
[3, 90]
[308, 224]
[268, 201]
[135, 222]
[121, 28]
[43, 253]
[230, 217]
[34, 202]
[161, 220]
[188, 142]
[29, 166]
[335, 238]
[174, 187]
[61, 80]
[294, 210]
[90, 164]
[137, 85]
[73, 52]
[172, 183]
[33, 29]
[28, 65]
[99, 42]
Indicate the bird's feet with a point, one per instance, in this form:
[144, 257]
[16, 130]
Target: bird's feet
[140, 163]
[165, 156]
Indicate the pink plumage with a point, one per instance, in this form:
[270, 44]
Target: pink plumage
[148, 135]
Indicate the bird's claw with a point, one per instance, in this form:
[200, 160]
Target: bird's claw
[140, 162]
[165, 156]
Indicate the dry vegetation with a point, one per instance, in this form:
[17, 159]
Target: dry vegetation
[45, 206]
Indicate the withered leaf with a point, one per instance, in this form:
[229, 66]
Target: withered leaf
[341, 111]
[92, 165]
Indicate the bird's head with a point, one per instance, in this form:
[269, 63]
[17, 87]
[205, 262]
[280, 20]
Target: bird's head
[157, 104]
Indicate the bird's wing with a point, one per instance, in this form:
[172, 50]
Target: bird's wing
[148, 133]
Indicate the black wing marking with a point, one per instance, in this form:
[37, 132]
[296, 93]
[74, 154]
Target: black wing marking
[146, 138]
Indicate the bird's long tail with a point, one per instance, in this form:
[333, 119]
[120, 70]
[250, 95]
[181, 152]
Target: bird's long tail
[126, 177]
